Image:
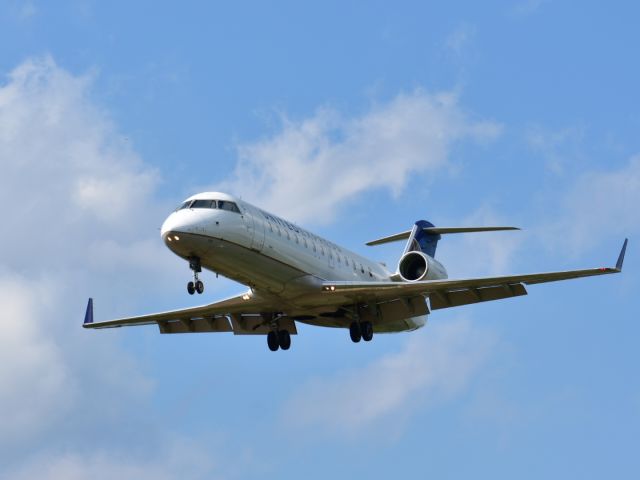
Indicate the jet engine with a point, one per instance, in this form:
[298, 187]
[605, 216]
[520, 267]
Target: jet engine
[415, 266]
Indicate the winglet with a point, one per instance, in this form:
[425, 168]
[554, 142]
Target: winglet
[621, 256]
[88, 316]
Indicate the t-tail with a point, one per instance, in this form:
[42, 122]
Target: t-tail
[418, 259]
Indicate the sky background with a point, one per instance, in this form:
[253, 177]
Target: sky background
[353, 119]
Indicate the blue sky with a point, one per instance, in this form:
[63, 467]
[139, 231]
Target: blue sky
[354, 120]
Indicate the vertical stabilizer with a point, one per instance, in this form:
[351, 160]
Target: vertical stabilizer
[422, 241]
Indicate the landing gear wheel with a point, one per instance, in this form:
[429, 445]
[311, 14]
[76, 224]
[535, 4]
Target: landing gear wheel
[191, 288]
[272, 341]
[199, 286]
[284, 339]
[367, 331]
[355, 332]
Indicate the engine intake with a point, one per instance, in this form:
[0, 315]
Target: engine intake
[413, 266]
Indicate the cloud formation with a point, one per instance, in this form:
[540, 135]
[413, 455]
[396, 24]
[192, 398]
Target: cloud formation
[433, 365]
[598, 203]
[177, 459]
[68, 182]
[333, 158]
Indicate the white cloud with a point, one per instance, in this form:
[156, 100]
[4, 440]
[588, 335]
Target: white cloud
[176, 460]
[459, 38]
[559, 148]
[78, 201]
[333, 158]
[435, 364]
[64, 168]
[598, 204]
[37, 388]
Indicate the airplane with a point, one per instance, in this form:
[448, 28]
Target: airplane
[295, 276]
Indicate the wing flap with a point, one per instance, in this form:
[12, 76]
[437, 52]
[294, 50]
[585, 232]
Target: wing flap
[197, 325]
[445, 299]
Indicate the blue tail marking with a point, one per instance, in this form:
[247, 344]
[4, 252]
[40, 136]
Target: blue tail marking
[423, 241]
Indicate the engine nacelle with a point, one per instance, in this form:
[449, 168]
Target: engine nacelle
[415, 266]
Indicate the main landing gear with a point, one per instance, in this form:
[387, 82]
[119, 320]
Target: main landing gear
[196, 285]
[361, 330]
[277, 337]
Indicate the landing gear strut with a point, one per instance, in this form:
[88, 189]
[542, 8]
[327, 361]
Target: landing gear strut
[196, 285]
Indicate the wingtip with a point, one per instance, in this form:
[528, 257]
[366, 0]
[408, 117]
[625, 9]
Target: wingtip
[621, 256]
[88, 316]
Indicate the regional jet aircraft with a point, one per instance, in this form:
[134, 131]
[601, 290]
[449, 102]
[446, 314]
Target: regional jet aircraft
[295, 276]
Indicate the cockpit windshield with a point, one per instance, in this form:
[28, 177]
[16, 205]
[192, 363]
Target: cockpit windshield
[203, 204]
[215, 204]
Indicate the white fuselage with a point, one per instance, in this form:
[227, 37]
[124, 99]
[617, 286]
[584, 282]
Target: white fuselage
[272, 256]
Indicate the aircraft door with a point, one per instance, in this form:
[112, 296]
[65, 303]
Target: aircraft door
[255, 228]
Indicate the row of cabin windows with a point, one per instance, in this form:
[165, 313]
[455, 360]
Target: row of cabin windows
[276, 225]
[216, 204]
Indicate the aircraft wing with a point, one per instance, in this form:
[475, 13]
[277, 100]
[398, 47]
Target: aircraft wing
[239, 314]
[450, 293]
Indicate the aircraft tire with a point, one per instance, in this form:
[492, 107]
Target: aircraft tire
[355, 332]
[284, 339]
[199, 286]
[191, 288]
[367, 331]
[272, 341]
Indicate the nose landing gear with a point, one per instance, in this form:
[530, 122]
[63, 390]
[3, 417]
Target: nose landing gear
[196, 285]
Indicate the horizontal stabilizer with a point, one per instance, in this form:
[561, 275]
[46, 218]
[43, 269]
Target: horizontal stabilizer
[437, 231]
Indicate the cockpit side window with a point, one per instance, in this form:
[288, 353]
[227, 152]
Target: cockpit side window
[184, 205]
[229, 206]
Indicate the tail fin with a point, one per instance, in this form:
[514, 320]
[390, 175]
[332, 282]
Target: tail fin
[424, 236]
[421, 240]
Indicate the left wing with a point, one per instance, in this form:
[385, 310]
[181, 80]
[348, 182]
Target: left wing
[450, 293]
[239, 314]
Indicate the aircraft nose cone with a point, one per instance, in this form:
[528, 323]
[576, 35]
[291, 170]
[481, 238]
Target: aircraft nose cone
[175, 223]
[167, 226]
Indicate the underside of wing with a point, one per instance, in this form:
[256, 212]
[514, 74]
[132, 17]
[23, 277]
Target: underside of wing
[450, 293]
[240, 314]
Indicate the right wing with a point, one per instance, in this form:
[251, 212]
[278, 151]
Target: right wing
[451, 293]
[240, 314]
